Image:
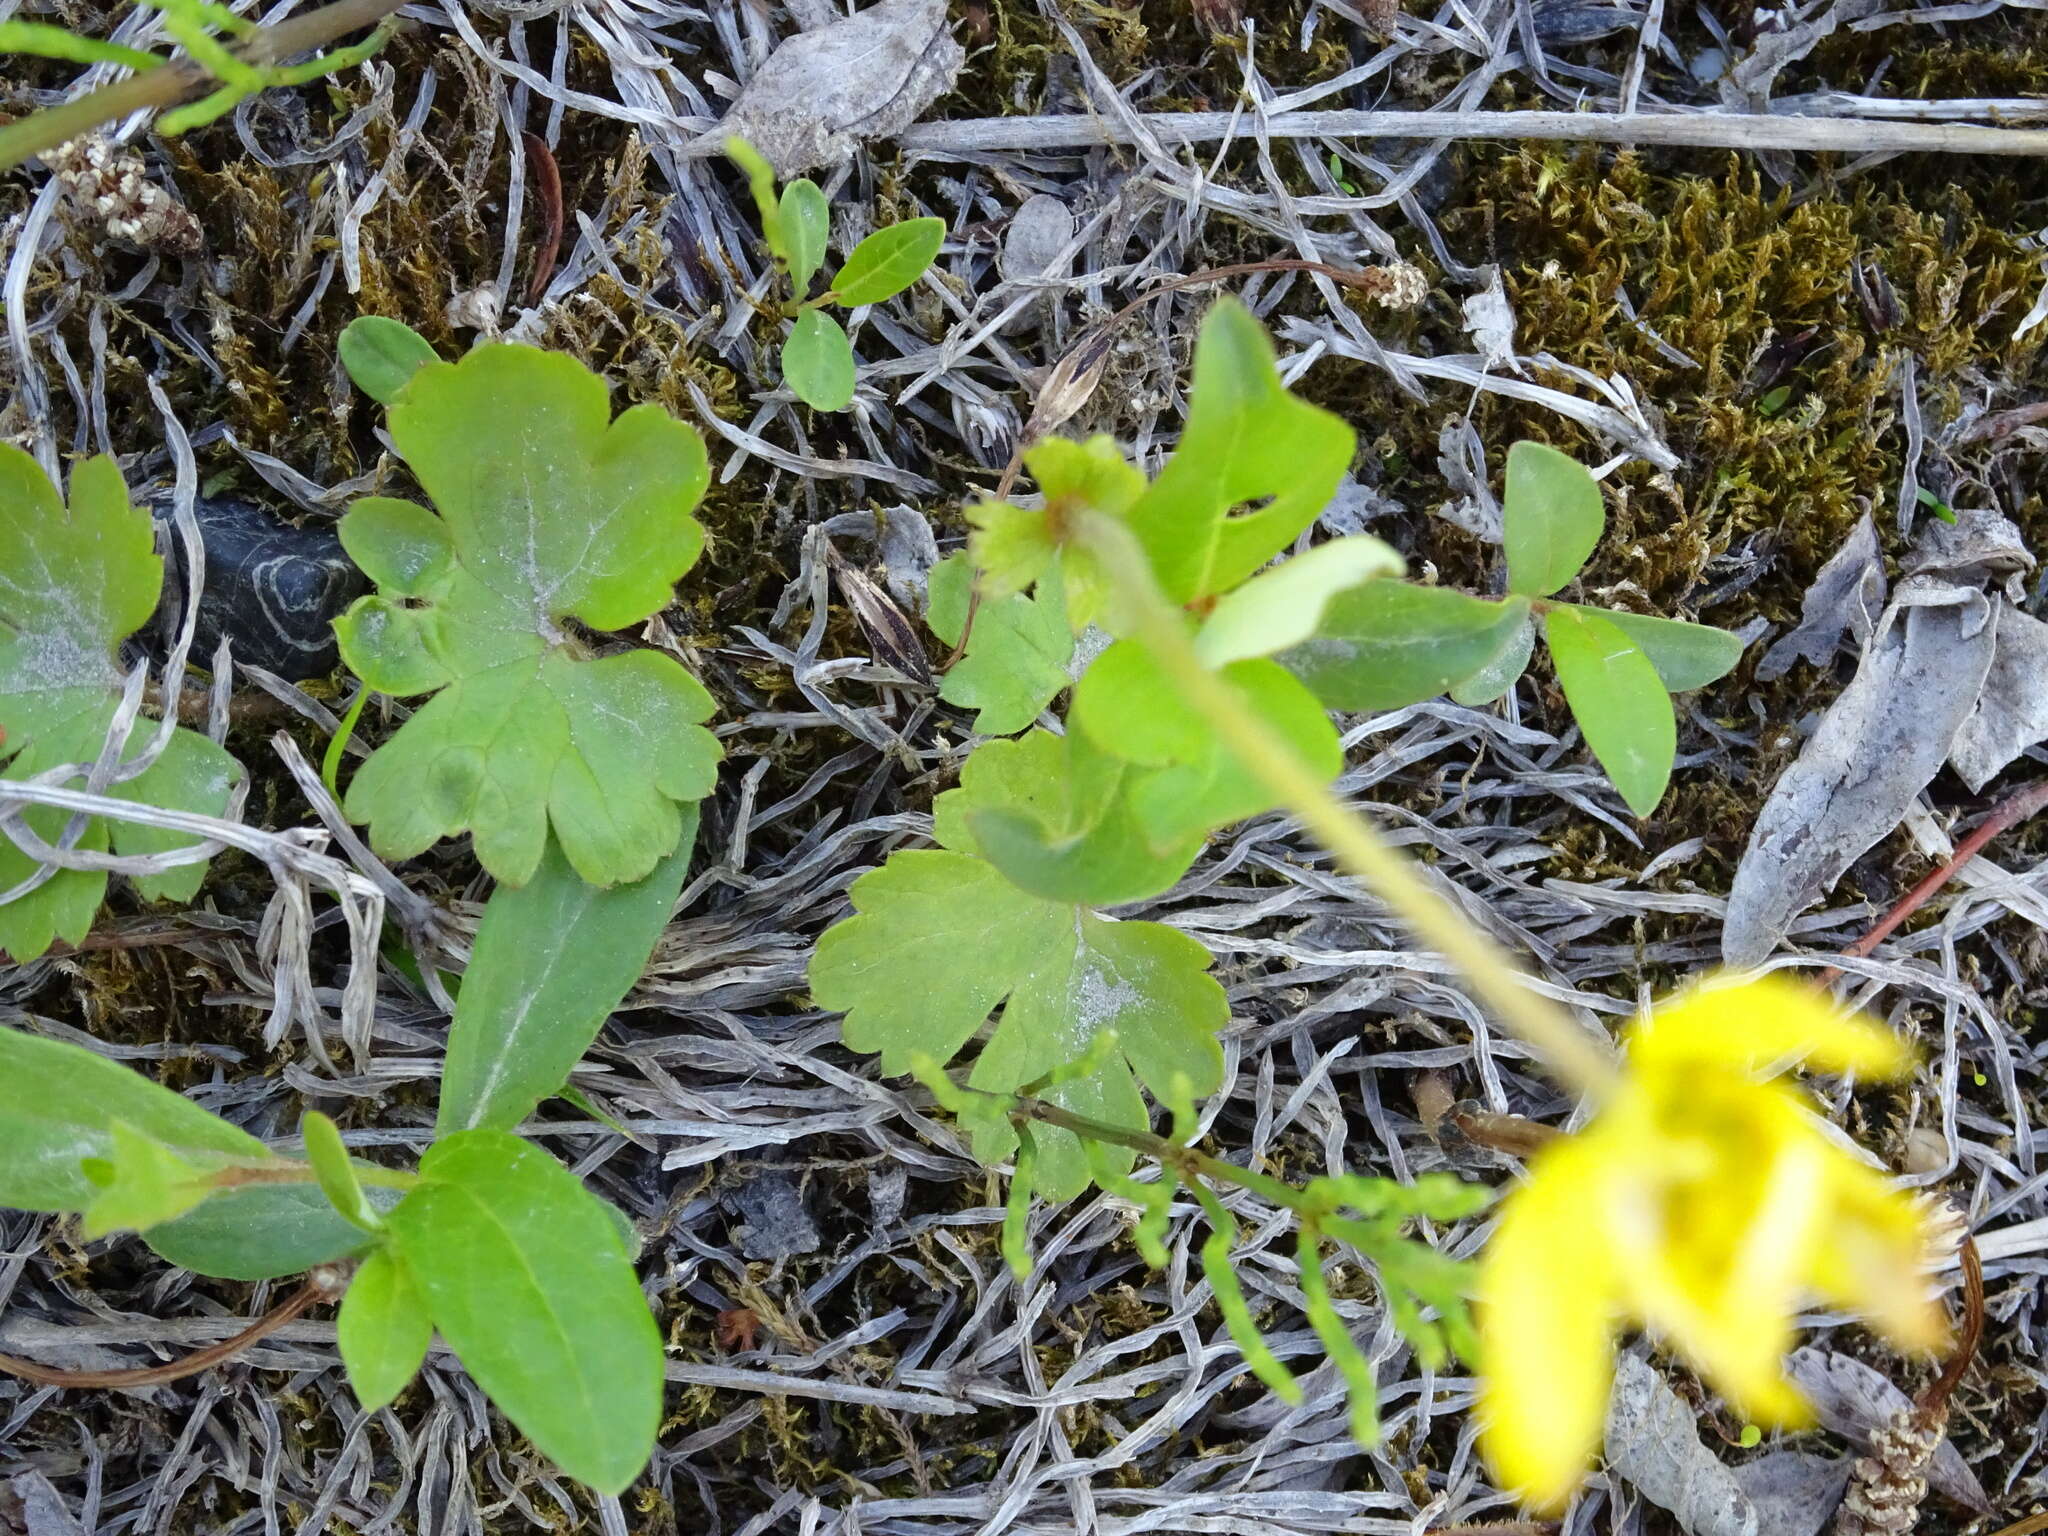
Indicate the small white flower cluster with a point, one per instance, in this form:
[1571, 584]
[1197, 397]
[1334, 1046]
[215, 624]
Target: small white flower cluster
[111, 185]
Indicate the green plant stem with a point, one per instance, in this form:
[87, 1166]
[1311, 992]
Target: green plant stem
[1565, 1048]
[171, 83]
[286, 1172]
[1190, 1162]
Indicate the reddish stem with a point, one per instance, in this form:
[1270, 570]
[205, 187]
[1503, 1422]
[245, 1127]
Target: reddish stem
[547, 186]
[2016, 807]
[321, 1285]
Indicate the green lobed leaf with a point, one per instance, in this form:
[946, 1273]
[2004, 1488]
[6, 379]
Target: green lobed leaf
[382, 355]
[1619, 701]
[142, 1183]
[335, 1171]
[942, 940]
[1686, 656]
[1245, 438]
[526, 1277]
[1017, 653]
[382, 1329]
[552, 960]
[1284, 606]
[1502, 669]
[806, 220]
[1551, 518]
[761, 187]
[550, 511]
[261, 1231]
[75, 581]
[888, 261]
[60, 1105]
[1013, 546]
[1054, 814]
[1386, 644]
[817, 362]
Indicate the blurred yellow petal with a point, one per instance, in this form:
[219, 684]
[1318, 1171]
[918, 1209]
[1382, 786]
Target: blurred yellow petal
[1741, 1335]
[1764, 1020]
[1873, 1257]
[1546, 1308]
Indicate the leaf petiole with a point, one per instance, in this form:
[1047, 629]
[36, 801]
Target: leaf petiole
[1157, 623]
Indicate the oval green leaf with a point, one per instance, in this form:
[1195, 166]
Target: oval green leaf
[1551, 517]
[552, 959]
[60, 1105]
[888, 261]
[817, 362]
[1387, 644]
[382, 355]
[382, 1329]
[1685, 655]
[1284, 606]
[525, 1276]
[262, 1231]
[1619, 701]
[1508, 663]
[806, 224]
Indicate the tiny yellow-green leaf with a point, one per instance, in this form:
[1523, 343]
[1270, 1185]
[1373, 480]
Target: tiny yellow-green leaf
[1283, 606]
[381, 355]
[761, 184]
[142, 1184]
[336, 1174]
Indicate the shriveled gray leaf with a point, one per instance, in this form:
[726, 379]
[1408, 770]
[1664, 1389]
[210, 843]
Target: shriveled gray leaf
[1653, 1442]
[1794, 1492]
[1854, 1399]
[1876, 748]
[1979, 545]
[823, 93]
[1040, 229]
[2012, 711]
[39, 1509]
[1847, 595]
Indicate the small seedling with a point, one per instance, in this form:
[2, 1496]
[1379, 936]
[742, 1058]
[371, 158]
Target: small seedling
[75, 581]
[552, 520]
[491, 1242]
[1387, 644]
[817, 357]
[577, 776]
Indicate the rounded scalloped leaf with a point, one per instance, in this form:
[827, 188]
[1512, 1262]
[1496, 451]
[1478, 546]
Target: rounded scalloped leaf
[546, 510]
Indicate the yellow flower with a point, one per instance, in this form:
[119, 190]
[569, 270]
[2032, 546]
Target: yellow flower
[1703, 1202]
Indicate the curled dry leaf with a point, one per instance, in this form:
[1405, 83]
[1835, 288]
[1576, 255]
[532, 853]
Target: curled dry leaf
[1848, 594]
[824, 92]
[1930, 688]
[1876, 748]
[1795, 1493]
[1653, 1442]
